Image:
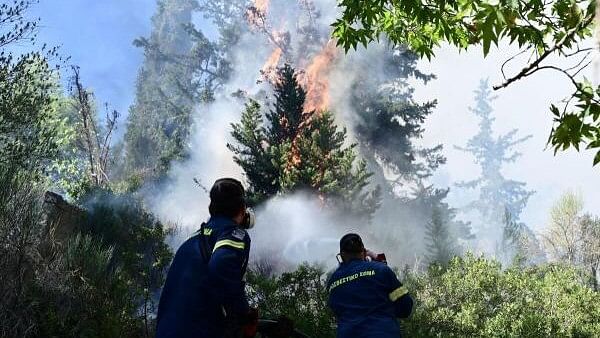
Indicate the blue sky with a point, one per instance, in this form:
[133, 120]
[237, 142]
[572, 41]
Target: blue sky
[98, 37]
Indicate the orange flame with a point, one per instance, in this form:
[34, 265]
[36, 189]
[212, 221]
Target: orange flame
[257, 13]
[262, 5]
[316, 81]
[269, 70]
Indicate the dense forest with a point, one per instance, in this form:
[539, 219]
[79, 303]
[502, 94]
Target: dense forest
[325, 139]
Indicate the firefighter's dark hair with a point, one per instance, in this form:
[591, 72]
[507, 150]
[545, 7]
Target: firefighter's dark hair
[227, 197]
[351, 243]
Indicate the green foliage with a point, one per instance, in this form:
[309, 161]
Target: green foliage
[286, 118]
[542, 28]
[70, 169]
[51, 286]
[56, 282]
[469, 297]
[424, 25]
[474, 297]
[389, 120]
[578, 125]
[264, 149]
[590, 228]
[28, 135]
[121, 222]
[258, 162]
[159, 120]
[300, 295]
[182, 67]
[29, 127]
[574, 238]
[334, 171]
[20, 235]
[441, 246]
[94, 299]
[295, 151]
[86, 274]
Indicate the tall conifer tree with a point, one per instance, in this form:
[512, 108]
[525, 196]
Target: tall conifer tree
[182, 69]
[158, 122]
[390, 121]
[498, 196]
[440, 244]
[295, 151]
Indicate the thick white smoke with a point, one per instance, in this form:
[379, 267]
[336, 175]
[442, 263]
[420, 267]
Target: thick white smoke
[290, 229]
[181, 200]
[294, 229]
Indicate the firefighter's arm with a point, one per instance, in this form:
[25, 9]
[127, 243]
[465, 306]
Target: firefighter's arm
[225, 270]
[398, 294]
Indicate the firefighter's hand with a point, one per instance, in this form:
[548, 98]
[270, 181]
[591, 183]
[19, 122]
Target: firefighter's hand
[371, 255]
[250, 323]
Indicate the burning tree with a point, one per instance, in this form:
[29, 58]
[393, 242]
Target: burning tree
[295, 150]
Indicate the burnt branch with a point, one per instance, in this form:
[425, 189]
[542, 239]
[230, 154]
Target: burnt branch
[96, 142]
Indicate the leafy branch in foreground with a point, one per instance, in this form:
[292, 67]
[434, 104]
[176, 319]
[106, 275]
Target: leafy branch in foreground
[539, 28]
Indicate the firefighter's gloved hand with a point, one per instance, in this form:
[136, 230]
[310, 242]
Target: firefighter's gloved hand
[250, 324]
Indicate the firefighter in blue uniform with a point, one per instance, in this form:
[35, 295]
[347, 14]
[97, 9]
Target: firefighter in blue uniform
[366, 296]
[204, 293]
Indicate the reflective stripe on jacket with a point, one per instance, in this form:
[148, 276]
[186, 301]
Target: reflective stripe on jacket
[205, 282]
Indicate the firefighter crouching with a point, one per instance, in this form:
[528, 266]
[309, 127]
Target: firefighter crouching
[204, 293]
[366, 296]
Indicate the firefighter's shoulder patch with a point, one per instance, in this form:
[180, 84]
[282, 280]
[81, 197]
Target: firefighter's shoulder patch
[238, 234]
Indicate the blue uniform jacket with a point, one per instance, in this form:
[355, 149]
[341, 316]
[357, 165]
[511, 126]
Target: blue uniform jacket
[205, 282]
[366, 298]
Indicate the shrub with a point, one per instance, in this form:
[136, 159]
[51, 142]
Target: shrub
[138, 238]
[300, 295]
[475, 297]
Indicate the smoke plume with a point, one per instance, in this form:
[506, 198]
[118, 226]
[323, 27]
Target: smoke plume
[295, 228]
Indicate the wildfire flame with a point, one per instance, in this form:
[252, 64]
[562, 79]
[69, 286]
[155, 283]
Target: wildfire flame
[269, 70]
[316, 81]
[262, 5]
[257, 13]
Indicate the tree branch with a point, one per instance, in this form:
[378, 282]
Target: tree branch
[535, 65]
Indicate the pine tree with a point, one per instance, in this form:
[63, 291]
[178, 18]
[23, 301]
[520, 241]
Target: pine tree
[440, 246]
[254, 155]
[288, 113]
[390, 120]
[296, 151]
[321, 163]
[262, 151]
[389, 123]
[158, 122]
[182, 68]
[428, 211]
[497, 194]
